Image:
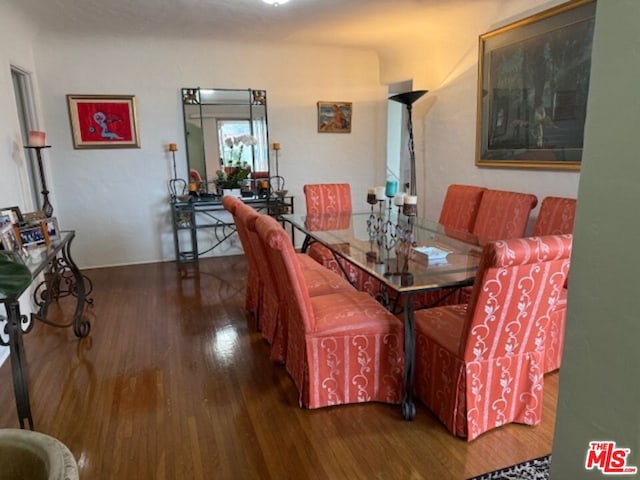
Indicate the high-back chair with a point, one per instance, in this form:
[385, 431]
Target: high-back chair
[460, 207]
[479, 366]
[326, 198]
[273, 317]
[503, 215]
[342, 347]
[556, 217]
[253, 284]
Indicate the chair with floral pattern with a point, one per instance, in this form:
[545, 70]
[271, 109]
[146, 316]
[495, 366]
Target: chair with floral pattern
[342, 347]
[556, 217]
[481, 365]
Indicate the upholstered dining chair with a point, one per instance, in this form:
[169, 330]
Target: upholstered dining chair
[480, 366]
[326, 198]
[556, 217]
[503, 215]
[342, 347]
[253, 297]
[460, 207]
[253, 285]
[273, 317]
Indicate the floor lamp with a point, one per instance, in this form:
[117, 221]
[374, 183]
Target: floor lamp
[408, 99]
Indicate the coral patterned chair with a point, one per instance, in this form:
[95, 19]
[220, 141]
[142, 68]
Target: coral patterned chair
[460, 207]
[326, 198]
[273, 318]
[253, 298]
[481, 365]
[556, 217]
[457, 216]
[503, 215]
[342, 347]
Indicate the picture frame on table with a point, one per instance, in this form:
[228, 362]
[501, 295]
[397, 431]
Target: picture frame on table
[32, 235]
[334, 117]
[14, 214]
[34, 217]
[533, 85]
[9, 240]
[50, 229]
[103, 121]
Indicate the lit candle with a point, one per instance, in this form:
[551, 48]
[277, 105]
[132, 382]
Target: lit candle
[276, 146]
[380, 193]
[391, 188]
[173, 147]
[37, 139]
[398, 200]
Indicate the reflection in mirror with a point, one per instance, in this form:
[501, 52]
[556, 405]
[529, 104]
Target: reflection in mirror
[225, 129]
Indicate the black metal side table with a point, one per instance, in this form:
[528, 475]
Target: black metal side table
[61, 278]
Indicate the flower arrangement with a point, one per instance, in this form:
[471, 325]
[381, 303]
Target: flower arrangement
[233, 176]
[235, 145]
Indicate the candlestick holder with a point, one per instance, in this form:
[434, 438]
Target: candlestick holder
[47, 208]
[176, 183]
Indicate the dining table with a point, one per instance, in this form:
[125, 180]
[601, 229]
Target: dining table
[407, 254]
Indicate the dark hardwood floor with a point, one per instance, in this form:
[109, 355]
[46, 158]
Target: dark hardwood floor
[174, 382]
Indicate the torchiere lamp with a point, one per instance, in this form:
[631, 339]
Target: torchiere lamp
[408, 99]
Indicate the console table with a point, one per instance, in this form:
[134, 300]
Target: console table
[62, 278]
[207, 213]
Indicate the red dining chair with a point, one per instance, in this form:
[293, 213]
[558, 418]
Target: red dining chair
[273, 318]
[556, 217]
[253, 297]
[253, 284]
[480, 366]
[460, 207]
[342, 347]
[326, 198]
[503, 215]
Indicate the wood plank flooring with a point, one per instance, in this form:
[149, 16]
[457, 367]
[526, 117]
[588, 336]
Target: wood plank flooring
[174, 382]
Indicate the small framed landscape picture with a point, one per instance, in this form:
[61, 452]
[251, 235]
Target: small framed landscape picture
[334, 117]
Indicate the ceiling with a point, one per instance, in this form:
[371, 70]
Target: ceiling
[371, 24]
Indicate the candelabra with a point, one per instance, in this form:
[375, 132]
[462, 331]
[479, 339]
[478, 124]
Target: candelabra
[47, 208]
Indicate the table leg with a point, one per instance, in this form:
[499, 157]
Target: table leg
[81, 327]
[408, 407]
[18, 363]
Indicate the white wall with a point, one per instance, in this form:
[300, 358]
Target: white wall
[117, 199]
[445, 119]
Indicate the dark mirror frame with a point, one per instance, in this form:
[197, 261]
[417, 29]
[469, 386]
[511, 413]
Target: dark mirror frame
[204, 111]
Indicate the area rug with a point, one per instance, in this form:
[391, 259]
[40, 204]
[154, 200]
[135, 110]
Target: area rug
[536, 469]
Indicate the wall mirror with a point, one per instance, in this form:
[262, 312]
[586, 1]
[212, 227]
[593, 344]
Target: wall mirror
[225, 128]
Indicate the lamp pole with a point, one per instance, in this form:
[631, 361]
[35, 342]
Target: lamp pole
[47, 208]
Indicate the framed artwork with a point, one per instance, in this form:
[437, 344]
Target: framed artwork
[50, 229]
[103, 121]
[14, 214]
[334, 117]
[8, 239]
[31, 235]
[33, 217]
[533, 85]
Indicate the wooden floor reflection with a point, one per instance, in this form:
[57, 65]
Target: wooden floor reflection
[174, 382]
